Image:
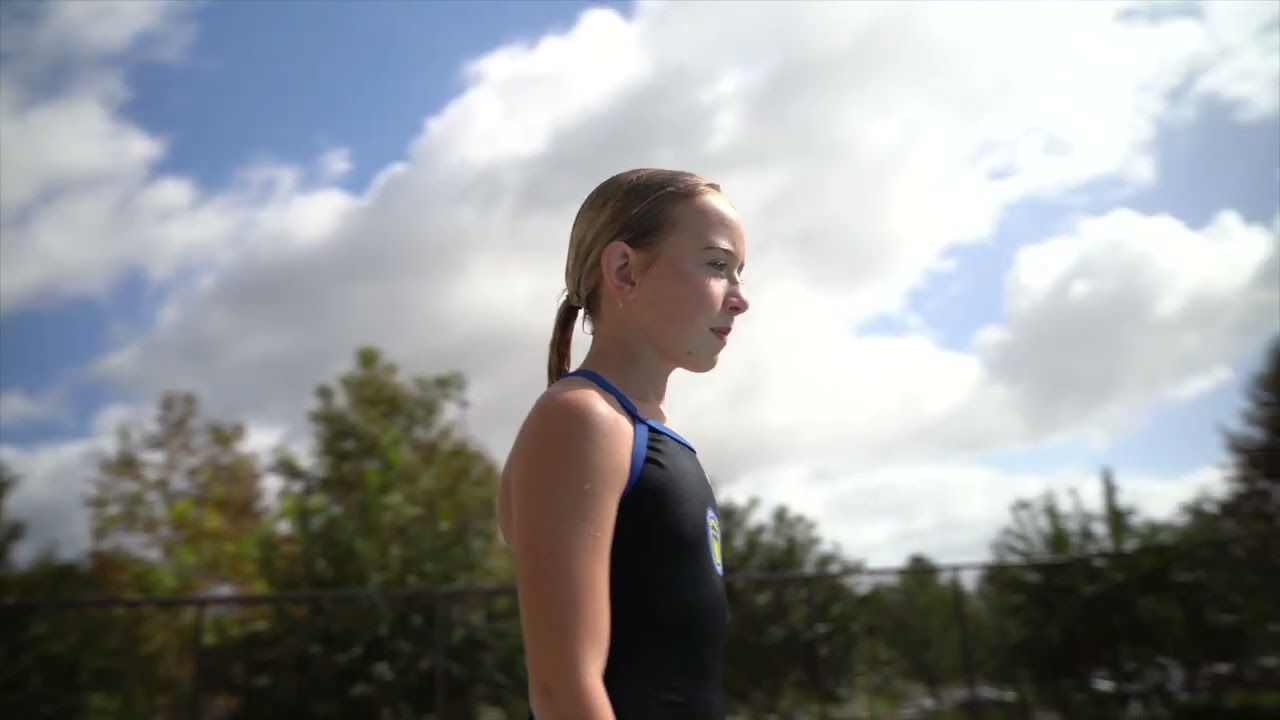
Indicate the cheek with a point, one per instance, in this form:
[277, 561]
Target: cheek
[707, 295]
[674, 306]
[690, 297]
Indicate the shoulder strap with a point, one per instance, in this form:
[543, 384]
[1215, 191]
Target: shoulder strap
[640, 443]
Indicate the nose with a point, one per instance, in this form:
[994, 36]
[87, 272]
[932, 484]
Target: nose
[737, 300]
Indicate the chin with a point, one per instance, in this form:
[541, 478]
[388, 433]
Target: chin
[700, 364]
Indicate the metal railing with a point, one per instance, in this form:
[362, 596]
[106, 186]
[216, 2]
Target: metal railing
[1136, 635]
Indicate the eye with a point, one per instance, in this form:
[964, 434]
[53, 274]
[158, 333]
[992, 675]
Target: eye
[719, 265]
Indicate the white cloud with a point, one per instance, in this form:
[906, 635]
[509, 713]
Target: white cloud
[54, 482]
[49, 498]
[1124, 309]
[56, 477]
[950, 512]
[335, 164]
[1201, 384]
[861, 141]
[1242, 64]
[79, 203]
[19, 407]
[78, 32]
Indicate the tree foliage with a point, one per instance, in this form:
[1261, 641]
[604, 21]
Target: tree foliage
[1090, 609]
[393, 496]
[789, 642]
[177, 507]
[1251, 507]
[12, 530]
[1174, 617]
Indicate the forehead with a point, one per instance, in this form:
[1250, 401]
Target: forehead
[708, 220]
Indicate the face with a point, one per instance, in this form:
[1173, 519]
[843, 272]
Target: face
[690, 295]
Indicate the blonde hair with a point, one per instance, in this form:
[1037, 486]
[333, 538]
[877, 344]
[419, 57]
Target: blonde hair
[633, 207]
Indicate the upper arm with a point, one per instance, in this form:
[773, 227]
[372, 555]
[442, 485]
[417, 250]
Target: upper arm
[563, 482]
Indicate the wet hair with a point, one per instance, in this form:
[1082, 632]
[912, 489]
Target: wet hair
[634, 207]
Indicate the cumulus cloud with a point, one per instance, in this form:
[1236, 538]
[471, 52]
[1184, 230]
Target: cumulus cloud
[80, 205]
[335, 164]
[1240, 62]
[950, 512]
[862, 142]
[19, 407]
[54, 482]
[75, 33]
[56, 476]
[1126, 307]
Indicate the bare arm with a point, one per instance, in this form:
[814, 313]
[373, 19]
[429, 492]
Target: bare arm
[562, 485]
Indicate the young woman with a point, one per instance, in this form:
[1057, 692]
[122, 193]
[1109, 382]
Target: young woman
[612, 521]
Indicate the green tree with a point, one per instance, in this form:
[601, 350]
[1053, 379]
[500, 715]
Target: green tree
[395, 494]
[791, 645]
[1221, 619]
[394, 497]
[12, 530]
[1068, 604]
[920, 623]
[1235, 543]
[1138, 605]
[177, 506]
[1252, 502]
[55, 663]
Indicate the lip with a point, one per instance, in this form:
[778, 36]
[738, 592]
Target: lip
[722, 332]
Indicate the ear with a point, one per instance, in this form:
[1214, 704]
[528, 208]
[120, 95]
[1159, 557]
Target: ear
[619, 269]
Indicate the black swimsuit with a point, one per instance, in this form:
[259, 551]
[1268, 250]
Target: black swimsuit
[668, 609]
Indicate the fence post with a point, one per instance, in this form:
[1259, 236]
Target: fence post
[441, 640]
[197, 643]
[855, 645]
[814, 653]
[966, 657]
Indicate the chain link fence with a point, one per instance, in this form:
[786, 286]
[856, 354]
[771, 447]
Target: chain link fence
[1157, 634]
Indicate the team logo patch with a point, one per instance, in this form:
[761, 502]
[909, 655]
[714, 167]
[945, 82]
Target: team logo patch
[713, 540]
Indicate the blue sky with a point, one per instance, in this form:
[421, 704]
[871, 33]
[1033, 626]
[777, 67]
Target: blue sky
[307, 92]
[286, 82]
[1205, 165]
[322, 75]
[266, 80]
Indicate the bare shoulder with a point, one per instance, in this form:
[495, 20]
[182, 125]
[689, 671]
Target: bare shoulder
[574, 447]
[562, 484]
[572, 407]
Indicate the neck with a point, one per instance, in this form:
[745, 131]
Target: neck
[635, 369]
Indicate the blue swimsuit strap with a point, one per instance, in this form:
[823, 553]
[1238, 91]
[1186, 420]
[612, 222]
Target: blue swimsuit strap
[640, 446]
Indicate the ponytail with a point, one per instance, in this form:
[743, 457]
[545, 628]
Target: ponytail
[561, 341]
